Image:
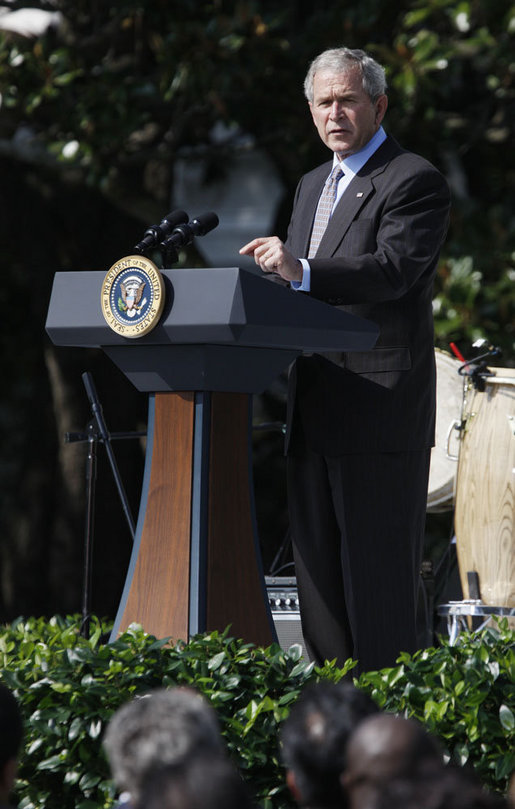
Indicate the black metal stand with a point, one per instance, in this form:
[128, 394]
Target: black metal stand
[96, 431]
[91, 476]
[98, 414]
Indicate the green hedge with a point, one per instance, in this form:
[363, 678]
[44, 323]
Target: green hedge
[69, 686]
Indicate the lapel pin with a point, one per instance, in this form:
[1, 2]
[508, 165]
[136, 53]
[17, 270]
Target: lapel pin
[359, 194]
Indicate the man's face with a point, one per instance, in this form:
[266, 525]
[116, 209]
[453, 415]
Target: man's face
[343, 113]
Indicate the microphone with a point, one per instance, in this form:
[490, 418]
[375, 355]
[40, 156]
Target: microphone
[184, 234]
[156, 233]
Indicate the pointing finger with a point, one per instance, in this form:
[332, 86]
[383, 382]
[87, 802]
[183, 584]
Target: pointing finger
[249, 248]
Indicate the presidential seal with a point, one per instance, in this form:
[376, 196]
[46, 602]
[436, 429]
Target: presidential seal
[132, 297]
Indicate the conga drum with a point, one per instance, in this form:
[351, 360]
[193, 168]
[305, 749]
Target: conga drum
[444, 455]
[485, 489]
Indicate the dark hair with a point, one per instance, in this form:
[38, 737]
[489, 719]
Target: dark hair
[454, 788]
[314, 738]
[387, 746]
[11, 726]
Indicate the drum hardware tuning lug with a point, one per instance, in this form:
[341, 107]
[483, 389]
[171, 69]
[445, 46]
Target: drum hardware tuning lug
[464, 426]
[473, 583]
[459, 426]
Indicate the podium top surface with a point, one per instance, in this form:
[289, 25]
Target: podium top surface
[216, 306]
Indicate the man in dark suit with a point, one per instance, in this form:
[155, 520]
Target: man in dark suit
[361, 424]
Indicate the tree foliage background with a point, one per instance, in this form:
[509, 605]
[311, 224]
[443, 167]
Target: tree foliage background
[94, 113]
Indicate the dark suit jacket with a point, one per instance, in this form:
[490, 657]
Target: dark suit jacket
[377, 259]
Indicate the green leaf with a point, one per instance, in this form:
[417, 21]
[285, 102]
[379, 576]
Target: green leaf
[302, 667]
[461, 753]
[216, 661]
[295, 652]
[95, 729]
[88, 781]
[507, 718]
[75, 728]
[53, 763]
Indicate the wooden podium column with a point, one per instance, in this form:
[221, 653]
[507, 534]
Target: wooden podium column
[235, 585]
[195, 565]
[156, 590]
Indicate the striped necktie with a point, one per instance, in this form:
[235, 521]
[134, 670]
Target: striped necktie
[324, 210]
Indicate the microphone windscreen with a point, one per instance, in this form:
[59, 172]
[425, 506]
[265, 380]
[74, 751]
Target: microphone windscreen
[172, 219]
[204, 223]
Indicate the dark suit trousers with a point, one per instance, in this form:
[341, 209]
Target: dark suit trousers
[357, 525]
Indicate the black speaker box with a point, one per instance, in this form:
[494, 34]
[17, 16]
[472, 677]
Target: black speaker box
[284, 605]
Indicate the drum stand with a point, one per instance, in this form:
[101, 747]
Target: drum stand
[457, 613]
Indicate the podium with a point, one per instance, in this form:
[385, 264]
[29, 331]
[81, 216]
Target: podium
[224, 334]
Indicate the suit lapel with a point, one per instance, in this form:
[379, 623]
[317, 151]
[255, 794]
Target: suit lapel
[352, 200]
[358, 192]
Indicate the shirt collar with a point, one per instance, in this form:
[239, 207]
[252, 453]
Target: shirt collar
[354, 162]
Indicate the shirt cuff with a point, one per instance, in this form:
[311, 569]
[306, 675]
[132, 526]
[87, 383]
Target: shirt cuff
[305, 284]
